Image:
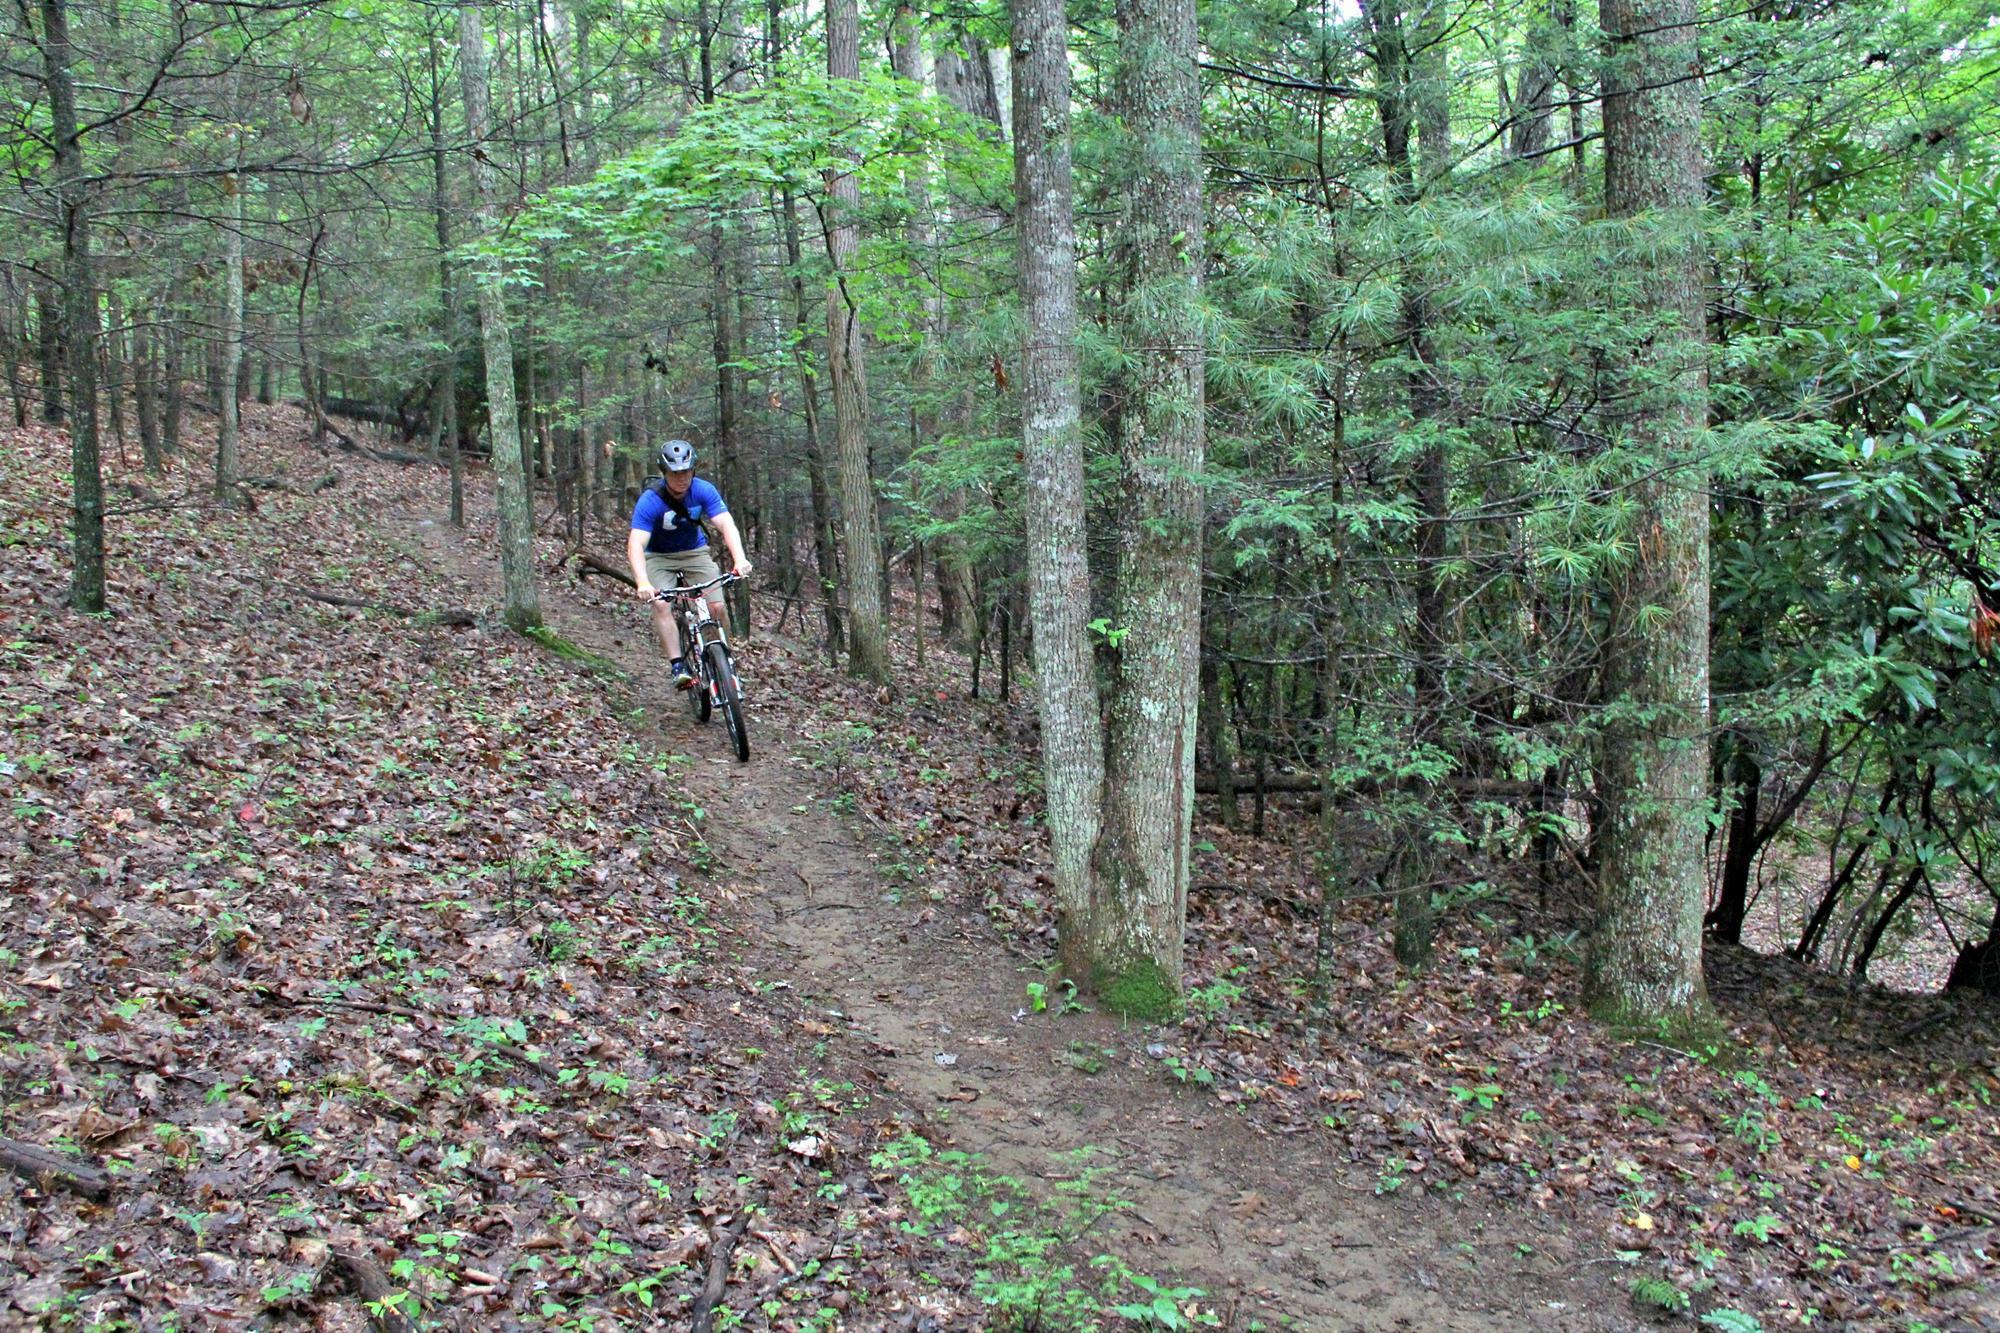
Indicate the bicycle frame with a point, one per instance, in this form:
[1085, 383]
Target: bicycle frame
[705, 653]
[697, 623]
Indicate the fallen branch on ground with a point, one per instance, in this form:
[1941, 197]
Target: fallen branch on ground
[454, 616]
[47, 1169]
[718, 1272]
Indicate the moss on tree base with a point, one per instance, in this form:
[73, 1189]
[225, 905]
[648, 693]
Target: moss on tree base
[1141, 989]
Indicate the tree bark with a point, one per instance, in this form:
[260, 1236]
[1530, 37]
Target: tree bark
[79, 314]
[1052, 448]
[229, 434]
[1643, 967]
[1133, 931]
[522, 610]
[146, 390]
[825, 550]
[444, 410]
[867, 619]
[17, 340]
[1533, 103]
[49, 342]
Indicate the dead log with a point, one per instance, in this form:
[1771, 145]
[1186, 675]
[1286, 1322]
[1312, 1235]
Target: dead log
[313, 487]
[408, 425]
[349, 443]
[1492, 789]
[719, 1254]
[50, 1169]
[457, 617]
[373, 1286]
[588, 563]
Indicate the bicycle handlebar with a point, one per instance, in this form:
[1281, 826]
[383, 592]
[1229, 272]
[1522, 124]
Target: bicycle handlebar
[668, 594]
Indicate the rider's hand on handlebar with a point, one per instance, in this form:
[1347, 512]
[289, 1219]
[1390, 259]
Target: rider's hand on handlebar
[646, 592]
[743, 568]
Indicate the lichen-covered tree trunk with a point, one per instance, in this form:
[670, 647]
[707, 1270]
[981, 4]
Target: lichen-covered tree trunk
[522, 607]
[1644, 962]
[1133, 930]
[79, 314]
[867, 622]
[1052, 447]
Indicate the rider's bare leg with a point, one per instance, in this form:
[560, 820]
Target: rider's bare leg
[664, 630]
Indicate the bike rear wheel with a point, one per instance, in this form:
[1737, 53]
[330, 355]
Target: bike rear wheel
[723, 674]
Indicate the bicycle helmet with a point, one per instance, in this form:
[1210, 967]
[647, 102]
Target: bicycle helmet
[676, 456]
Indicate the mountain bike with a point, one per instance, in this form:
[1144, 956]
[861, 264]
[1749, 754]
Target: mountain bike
[705, 650]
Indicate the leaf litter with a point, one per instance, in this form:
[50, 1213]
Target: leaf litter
[354, 945]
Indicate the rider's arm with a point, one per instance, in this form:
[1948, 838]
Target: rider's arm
[725, 527]
[635, 551]
[645, 517]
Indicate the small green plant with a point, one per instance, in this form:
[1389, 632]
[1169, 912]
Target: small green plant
[294, 1287]
[1480, 1097]
[1658, 1294]
[1391, 1177]
[557, 941]
[1732, 1321]
[1166, 1307]
[1759, 1228]
[1217, 998]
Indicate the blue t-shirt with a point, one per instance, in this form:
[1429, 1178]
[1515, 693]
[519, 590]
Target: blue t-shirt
[675, 529]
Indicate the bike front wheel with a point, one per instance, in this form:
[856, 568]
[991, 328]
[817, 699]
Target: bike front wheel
[698, 696]
[722, 674]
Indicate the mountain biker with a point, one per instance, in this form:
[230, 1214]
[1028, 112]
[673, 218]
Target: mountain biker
[667, 539]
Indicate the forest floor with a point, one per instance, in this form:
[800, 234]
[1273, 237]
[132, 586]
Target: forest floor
[390, 967]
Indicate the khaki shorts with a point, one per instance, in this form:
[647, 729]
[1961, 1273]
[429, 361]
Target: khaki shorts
[697, 566]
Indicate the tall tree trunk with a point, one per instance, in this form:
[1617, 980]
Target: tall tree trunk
[1740, 845]
[444, 410]
[867, 598]
[173, 393]
[49, 340]
[146, 389]
[79, 314]
[267, 335]
[114, 372]
[964, 75]
[1412, 99]
[523, 608]
[1644, 963]
[229, 435]
[1052, 448]
[17, 340]
[1534, 91]
[825, 550]
[1133, 937]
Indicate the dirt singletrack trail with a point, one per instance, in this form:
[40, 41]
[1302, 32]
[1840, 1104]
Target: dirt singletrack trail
[926, 1000]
